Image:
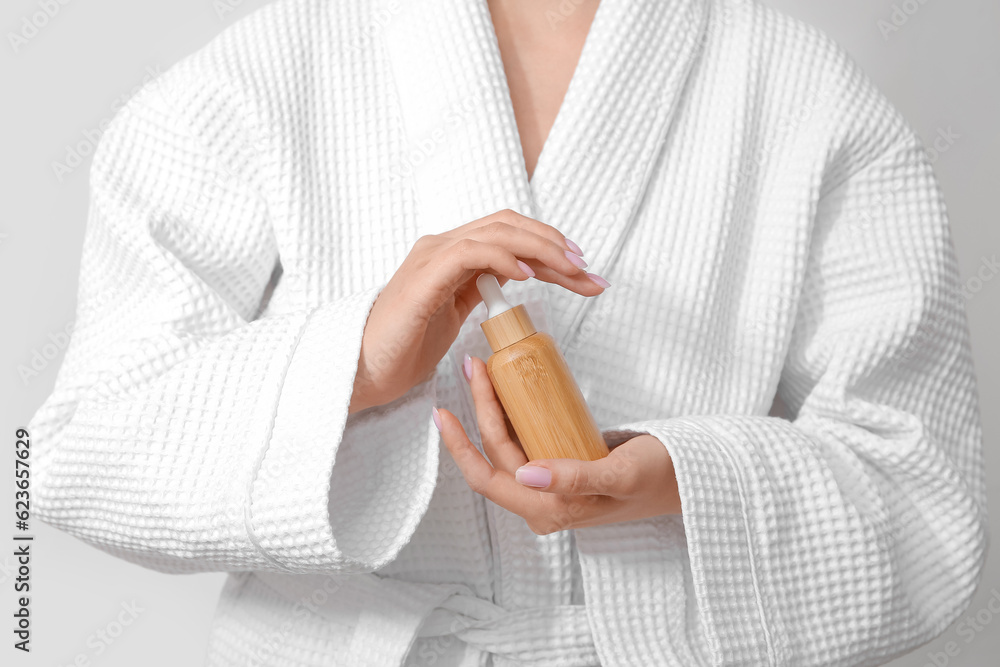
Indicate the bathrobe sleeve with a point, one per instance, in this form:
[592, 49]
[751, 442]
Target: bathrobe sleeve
[854, 530]
[185, 431]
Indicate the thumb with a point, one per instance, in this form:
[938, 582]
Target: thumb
[570, 476]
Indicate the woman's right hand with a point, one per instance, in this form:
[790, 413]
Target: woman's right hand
[418, 314]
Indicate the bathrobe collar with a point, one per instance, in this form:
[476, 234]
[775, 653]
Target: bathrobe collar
[463, 154]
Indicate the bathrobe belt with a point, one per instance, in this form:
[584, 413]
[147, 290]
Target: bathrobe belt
[388, 614]
[393, 613]
[553, 635]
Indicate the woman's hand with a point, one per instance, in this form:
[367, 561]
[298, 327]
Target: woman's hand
[635, 481]
[418, 314]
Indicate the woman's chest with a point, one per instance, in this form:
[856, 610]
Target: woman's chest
[704, 260]
[697, 318]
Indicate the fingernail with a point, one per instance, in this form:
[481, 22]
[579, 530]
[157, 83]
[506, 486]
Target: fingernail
[576, 259]
[437, 417]
[599, 281]
[572, 246]
[533, 476]
[526, 268]
[467, 367]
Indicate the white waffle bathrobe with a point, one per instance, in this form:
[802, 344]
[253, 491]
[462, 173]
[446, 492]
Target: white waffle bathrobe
[773, 235]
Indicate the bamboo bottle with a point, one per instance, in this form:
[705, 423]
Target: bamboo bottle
[534, 384]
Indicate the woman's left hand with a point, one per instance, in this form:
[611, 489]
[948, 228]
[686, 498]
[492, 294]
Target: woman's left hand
[635, 481]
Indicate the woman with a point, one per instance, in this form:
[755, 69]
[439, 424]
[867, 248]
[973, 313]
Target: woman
[277, 314]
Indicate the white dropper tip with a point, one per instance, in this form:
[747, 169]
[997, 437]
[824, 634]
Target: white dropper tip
[490, 290]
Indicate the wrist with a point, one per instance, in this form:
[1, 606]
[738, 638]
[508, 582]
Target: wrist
[362, 396]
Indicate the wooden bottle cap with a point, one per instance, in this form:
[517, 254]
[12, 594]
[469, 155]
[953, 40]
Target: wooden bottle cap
[508, 327]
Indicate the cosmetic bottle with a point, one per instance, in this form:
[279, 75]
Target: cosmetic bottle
[534, 384]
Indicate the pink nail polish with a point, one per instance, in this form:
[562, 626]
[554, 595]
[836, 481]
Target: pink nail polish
[527, 269]
[576, 259]
[534, 476]
[599, 281]
[572, 246]
[437, 417]
[467, 367]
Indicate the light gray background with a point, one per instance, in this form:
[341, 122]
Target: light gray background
[940, 67]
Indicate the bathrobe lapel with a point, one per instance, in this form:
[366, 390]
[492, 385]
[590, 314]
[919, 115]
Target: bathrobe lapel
[464, 156]
[611, 131]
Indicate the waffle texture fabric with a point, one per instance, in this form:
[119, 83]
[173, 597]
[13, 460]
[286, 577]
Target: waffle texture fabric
[785, 316]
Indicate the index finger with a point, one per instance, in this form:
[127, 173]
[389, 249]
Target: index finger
[515, 219]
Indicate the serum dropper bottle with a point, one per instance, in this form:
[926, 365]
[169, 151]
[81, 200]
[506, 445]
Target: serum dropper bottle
[535, 385]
